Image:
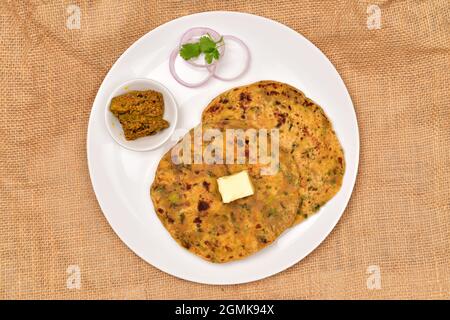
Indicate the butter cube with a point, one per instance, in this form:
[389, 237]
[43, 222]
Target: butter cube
[235, 187]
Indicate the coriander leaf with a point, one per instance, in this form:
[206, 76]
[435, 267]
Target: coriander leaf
[206, 44]
[215, 54]
[209, 57]
[190, 50]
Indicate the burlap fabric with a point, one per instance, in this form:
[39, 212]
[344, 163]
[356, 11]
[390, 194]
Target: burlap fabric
[397, 222]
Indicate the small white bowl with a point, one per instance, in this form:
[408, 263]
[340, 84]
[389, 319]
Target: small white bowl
[148, 142]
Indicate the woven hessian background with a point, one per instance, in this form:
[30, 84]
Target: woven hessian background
[398, 219]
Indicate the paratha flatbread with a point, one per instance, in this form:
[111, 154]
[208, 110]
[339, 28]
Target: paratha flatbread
[304, 130]
[188, 203]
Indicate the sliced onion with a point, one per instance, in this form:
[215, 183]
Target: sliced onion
[247, 62]
[197, 32]
[173, 57]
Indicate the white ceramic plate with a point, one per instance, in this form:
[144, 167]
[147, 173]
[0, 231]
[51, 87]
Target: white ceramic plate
[121, 178]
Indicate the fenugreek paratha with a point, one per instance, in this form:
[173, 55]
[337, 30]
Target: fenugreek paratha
[304, 130]
[188, 203]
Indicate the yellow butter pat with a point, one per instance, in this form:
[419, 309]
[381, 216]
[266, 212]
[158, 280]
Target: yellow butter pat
[235, 187]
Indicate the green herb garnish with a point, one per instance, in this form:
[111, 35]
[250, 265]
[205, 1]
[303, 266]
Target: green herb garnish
[272, 212]
[205, 45]
[173, 198]
[190, 50]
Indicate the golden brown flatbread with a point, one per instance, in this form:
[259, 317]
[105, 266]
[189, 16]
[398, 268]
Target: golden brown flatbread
[304, 130]
[188, 203]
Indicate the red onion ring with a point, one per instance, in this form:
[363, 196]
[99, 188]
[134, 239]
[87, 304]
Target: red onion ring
[211, 68]
[172, 59]
[198, 32]
[247, 62]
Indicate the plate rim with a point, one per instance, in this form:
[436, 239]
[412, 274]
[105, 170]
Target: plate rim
[318, 240]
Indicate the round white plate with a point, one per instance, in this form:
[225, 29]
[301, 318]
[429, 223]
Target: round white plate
[121, 178]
